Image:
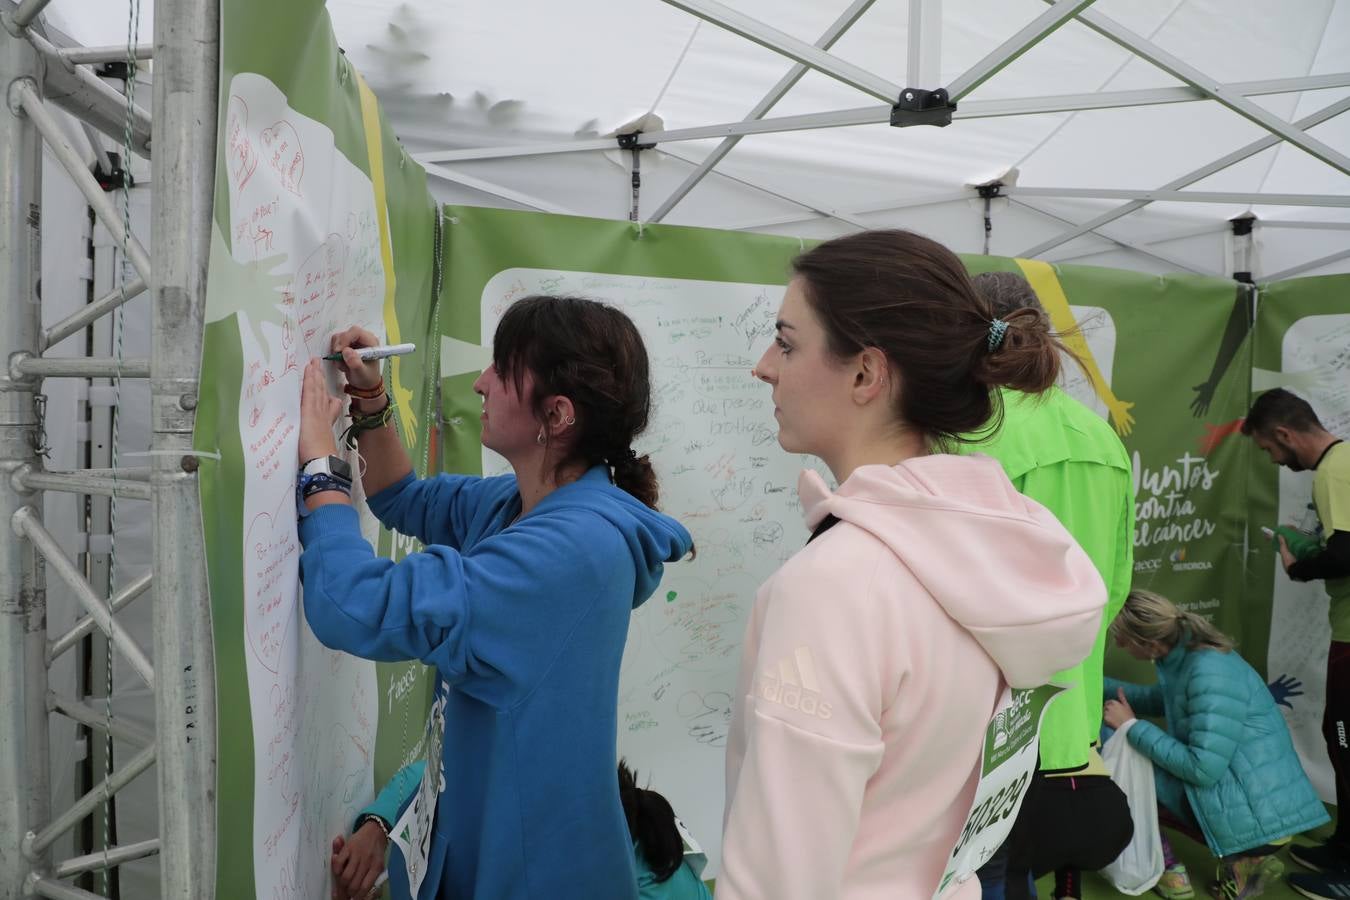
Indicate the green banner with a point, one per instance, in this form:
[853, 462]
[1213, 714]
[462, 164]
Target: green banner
[1167, 365]
[320, 222]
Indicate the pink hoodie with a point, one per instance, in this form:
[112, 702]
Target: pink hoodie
[873, 661]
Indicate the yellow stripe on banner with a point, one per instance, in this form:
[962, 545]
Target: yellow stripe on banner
[1046, 284]
[370, 118]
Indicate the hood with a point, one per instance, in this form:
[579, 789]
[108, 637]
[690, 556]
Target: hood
[653, 538]
[997, 562]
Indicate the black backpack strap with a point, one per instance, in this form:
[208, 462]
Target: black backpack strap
[825, 525]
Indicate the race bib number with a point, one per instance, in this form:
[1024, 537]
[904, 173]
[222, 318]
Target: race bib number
[693, 853]
[412, 831]
[1006, 767]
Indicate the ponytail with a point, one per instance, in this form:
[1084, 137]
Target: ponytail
[1203, 633]
[1024, 354]
[651, 824]
[1149, 618]
[635, 475]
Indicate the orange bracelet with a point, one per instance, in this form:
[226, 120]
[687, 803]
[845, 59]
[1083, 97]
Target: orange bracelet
[371, 393]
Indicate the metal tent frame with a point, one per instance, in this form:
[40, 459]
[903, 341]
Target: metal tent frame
[924, 33]
[35, 76]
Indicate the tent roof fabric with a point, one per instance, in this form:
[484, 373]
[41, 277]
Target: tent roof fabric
[457, 74]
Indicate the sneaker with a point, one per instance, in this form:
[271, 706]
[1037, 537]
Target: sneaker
[1320, 887]
[1321, 857]
[1247, 876]
[1175, 884]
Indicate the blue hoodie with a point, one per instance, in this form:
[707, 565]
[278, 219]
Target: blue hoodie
[526, 621]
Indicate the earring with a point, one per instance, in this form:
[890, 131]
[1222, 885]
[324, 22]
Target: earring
[540, 438]
[570, 421]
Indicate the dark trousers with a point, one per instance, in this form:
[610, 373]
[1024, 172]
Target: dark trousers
[1336, 731]
[1066, 823]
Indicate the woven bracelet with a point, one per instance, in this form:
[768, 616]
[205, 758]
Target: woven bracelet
[363, 423]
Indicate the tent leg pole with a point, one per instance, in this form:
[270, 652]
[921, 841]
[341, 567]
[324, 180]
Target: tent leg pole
[25, 796]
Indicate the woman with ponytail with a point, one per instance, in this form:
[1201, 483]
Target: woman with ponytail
[875, 658]
[667, 868]
[1223, 761]
[520, 599]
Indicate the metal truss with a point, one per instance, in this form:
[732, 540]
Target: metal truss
[36, 78]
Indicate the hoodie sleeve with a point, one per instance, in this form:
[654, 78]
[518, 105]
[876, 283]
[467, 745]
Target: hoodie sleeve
[812, 739]
[396, 795]
[433, 510]
[1215, 705]
[1145, 699]
[492, 620]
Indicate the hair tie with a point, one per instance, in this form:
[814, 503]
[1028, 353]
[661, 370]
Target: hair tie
[997, 328]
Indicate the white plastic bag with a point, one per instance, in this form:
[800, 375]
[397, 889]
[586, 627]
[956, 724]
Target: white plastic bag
[1140, 864]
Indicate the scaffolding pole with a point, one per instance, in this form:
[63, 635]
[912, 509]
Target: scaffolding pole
[112, 857]
[187, 52]
[85, 624]
[85, 96]
[74, 165]
[25, 798]
[34, 74]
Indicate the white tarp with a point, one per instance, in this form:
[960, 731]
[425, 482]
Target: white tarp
[460, 73]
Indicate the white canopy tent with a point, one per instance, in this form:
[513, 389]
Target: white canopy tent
[1157, 121]
[1138, 103]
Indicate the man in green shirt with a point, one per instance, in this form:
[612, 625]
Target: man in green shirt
[1063, 455]
[1286, 428]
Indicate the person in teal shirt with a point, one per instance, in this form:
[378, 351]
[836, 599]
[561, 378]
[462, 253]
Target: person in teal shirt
[667, 861]
[1064, 456]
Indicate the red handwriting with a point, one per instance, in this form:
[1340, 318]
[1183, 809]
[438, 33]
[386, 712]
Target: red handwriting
[270, 573]
[317, 285]
[238, 148]
[272, 840]
[281, 148]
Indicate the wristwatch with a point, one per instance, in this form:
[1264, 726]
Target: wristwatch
[335, 466]
[326, 473]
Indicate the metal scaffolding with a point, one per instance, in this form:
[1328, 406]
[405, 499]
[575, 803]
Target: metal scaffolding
[37, 77]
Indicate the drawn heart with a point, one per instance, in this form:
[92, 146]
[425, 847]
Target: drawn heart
[238, 148]
[317, 291]
[282, 150]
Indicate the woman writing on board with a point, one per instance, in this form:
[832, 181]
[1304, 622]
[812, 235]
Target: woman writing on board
[521, 598]
[874, 658]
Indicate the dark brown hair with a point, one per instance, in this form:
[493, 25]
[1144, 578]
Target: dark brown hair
[651, 823]
[1277, 407]
[910, 297]
[592, 354]
[1006, 292]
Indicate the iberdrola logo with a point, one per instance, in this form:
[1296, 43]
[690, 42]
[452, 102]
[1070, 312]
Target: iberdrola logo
[1178, 559]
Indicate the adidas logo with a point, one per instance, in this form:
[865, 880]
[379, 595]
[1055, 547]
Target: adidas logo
[792, 683]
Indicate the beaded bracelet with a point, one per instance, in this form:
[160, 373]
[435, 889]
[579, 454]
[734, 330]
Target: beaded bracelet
[379, 823]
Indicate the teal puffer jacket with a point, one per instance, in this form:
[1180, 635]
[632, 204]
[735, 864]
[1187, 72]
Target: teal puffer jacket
[1228, 744]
